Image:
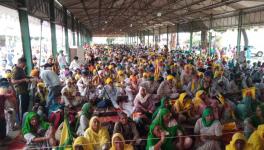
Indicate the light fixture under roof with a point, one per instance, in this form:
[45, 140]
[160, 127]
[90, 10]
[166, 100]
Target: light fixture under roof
[131, 25]
[106, 22]
[159, 14]
[120, 29]
[103, 29]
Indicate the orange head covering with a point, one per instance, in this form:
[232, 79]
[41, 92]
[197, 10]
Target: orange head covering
[34, 73]
[133, 78]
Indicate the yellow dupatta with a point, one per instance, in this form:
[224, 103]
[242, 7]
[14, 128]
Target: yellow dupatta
[126, 146]
[197, 100]
[97, 139]
[180, 105]
[257, 139]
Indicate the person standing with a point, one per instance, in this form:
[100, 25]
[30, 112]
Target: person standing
[62, 60]
[20, 82]
[52, 81]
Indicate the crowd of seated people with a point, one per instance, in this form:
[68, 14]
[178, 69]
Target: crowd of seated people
[130, 97]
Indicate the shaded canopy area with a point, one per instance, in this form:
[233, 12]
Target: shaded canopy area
[128, 16]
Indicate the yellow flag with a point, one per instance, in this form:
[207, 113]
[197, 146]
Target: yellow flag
[252, 90]
[157, 69]
[66, 138]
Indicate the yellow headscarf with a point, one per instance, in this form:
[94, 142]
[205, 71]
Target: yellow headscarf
[170, 77]
[82, 141]
[257, 139]
[108, 81]
[188, 67]
[126, 146]
[145, 75]
[197, 100]
[218, 74]
[40, 85]
[238, 136]
[8, 75]
[110, 67]
[180, 102]
[120, 72]
[97, 139]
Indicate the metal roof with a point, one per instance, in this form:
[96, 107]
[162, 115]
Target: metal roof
[129, 16]
[120, 17]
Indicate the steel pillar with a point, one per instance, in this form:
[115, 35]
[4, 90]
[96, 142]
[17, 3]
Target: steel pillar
[148, 38]
[167, 36]
[159, 35]
[177, 37]
[191, 40]
[25, 36]
[154, 38]
[239, 29]
[73, 30]
[53, 28]
[66, 35]
[210, 36]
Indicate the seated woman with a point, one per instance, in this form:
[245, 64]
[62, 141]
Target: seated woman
[239, 142]
[118, 143]
[246, 107]
[183, 107]
[81, 143]
[164, 103]
[144, 103]
[200, 101]
[97, 134]
[163, 127]
[37, 133]
[257, 138]
[156, 138]
[210, 131]
[252, 123]
[84, 118]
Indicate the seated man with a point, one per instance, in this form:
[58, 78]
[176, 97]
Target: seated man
[69, 94]
[83, 83]
[167, 88]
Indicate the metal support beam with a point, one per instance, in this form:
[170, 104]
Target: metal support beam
[167, 36]
[159, 36]
[153, 38]
[239, 28]
[203, 39]
[78, 33]
[137, 38]
[25, 36]
[191, 40]
[53, 28]
[210, 36]
[148, 38]
[66, 35]
[177, 36]
[73, 30]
